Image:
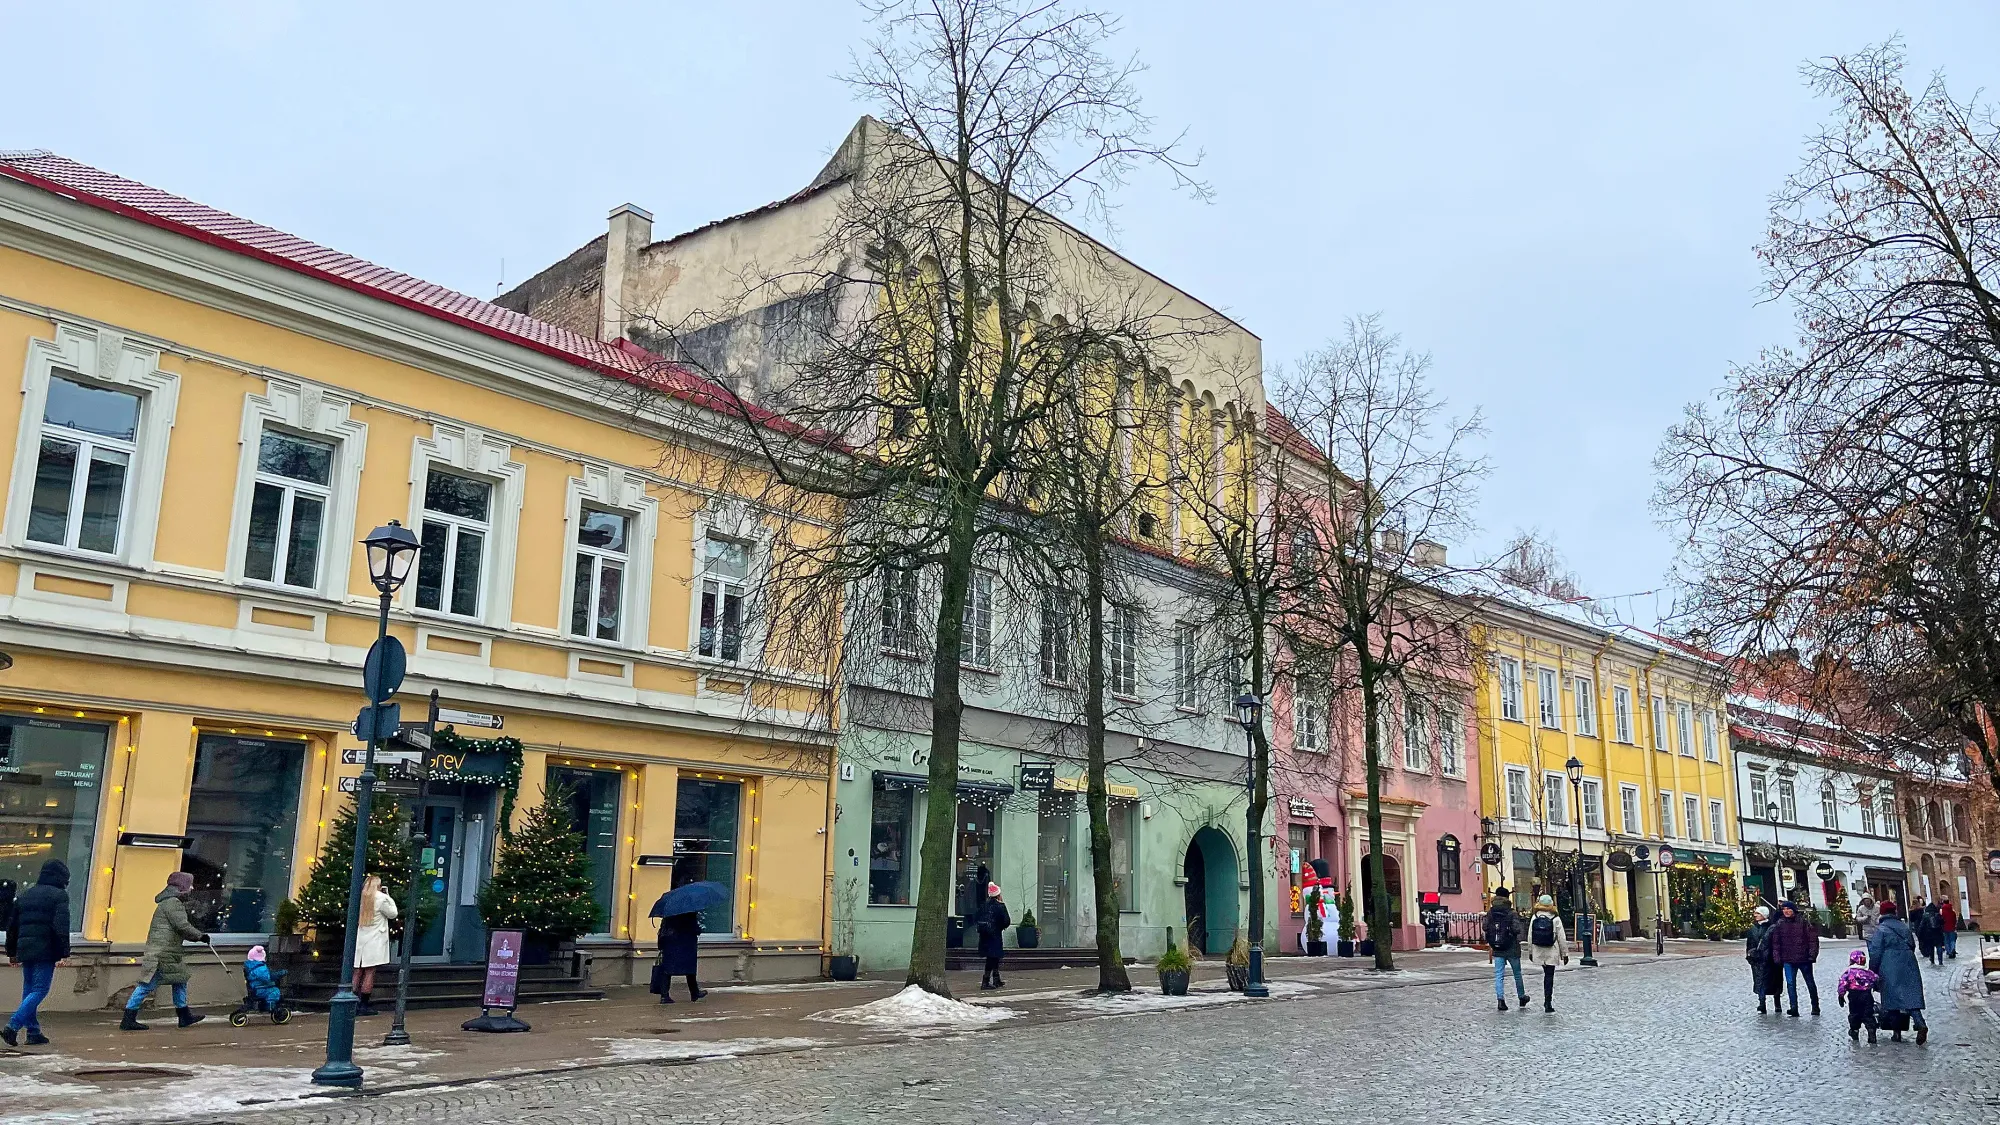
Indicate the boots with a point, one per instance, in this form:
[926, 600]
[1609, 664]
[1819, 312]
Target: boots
[365, 1008]
[189, 1017]
[1815, 1007]
[1760, 1005]
[1854, 1032]
[1923, 1036]
[1503, 1003]
[1871, 1033]
[131, 1022]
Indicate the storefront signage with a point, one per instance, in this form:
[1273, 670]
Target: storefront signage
[1038, 779]
[1620, 860]
[1489, 853]
[1300, 810]
[503, 979]
[479, 767]
[1081, 785]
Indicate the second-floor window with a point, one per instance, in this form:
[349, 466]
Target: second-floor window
[1628, 809]
[88, 436]
[1555, 794]
[1829, 807]
[1450, 740]
[900, 604]
[1666, 815]
[1788, 801]
[1187, 666]
[1760, 795]
[724, 576]
[1124, 655]
[1709, 749]
[1586, 707]
[288, 510]
[1692, 806]
[597, 599]
[975, 644]
[1058, 625]
[1593, 804]
[1621, 713]
[1309, 722]
[1890, 826]
[457, 515]
[1518, 805]
[1548, 698]
[1716, 833]
[1415, 756]
[1865, 801]
[1684, 728]
[1659, 723]
[1510, 688]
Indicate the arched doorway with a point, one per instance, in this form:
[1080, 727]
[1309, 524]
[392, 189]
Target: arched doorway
[1968, 873]
[1210, 891]
[1393, 876]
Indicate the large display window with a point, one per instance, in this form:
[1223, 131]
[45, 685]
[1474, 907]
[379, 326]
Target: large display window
[243, 821]
[51, 781]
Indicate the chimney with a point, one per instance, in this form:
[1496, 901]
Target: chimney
[1392, 542]
[1429, 555]
[631, 230]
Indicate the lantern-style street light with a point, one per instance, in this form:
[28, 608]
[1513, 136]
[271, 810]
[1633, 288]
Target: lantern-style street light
[1250, 715]
[1583, 915]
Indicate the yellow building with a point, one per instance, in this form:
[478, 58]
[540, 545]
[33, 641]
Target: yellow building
[1646, 722]
[211, 414]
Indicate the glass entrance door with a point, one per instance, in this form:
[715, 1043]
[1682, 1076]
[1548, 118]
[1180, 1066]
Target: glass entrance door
[1052, 902]
[437, 867]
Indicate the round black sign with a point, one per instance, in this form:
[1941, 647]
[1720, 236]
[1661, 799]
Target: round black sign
[1489, 853]
[1824, 871]
[1619, 861]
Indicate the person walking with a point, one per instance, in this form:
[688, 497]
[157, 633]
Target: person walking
[163, 963]
[1948, 928]
[1918, 923]
[1892, 955]
[37, 925]
[1503, 946]
[1867, 916]
[1765, 978]
[1930, 933]
[371, 941]
[1795, 945]
[993, 921]
[1548, 946]
[1856, 993]
[680, 944]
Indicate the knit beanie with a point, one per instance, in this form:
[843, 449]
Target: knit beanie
[181, 881]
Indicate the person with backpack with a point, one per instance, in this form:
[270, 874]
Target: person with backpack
[1548, 946]
[1503, 946]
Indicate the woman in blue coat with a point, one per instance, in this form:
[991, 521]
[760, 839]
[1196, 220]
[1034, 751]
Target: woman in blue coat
[1892, 954]
[992, 921]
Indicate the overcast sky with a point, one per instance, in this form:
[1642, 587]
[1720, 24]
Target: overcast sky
[1559, 203]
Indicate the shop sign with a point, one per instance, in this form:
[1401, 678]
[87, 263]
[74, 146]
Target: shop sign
[1300, 810]
[480, 767]
[1489, 853]
[1620, 860]
[1823, 872]
[1037, 779]
[1082, 785]
[1993, 861]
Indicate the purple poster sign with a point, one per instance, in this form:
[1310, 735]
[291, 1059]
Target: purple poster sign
[503, 968]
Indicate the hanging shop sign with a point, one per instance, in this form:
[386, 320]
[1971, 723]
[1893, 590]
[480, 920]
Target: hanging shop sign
[1037, 779]
[1489, 853]
[1301, 810]
[1620, 860]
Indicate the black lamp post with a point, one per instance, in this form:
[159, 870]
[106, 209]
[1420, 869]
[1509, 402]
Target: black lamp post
[1777, 860]
[1250, 713]
[1584, 920]
[392, 551]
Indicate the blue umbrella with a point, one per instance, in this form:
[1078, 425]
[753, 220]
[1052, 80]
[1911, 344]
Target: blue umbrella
[690, 899]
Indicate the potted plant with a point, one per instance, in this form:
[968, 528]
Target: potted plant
[1315, 924]
[842, 964]
[541, 882]
[1237, 964]
[285, 938]
[1028, 935]
[1174, 966]
[1345, 945]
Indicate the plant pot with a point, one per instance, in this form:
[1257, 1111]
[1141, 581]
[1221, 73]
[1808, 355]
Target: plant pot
[1173, 984]
[1366, 947]
[1344, 948]
[1028, 937]
[1239, 977]
[1315, 949]
[535, 949]
[284, 944]
[842, 967]
[954, 933]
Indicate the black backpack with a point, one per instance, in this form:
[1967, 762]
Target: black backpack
[1501, 931]
[1543, 932]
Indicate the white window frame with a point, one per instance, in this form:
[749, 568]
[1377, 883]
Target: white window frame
[1718, 825]
[455, 527]
[1684, 728]
[1660, 723]
[116, 361]
[1450, 741]
[1666, 814]
[1555, 798]
[1584, 692]
[1621, 713]
[718, 588]
[1416, 752]
[291, 489]
[1056, 650]
[1760, 795]
[1891, 819]
[1308, 721]
[1829, 806]
[1548, 697]
[316, 412]
[1121, 663]
[900, 621]
[600, 560]
[1788, 800]
[1711, 750]
[1631, 820]
[975, 646]
[1520, 798]
[472, 452]
[1188, 695]
[1865, 801]
[1593, 804]
[1511, 703]
[1691, 807]
[623, 493]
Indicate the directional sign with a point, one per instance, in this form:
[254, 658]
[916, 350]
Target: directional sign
[384, 755]
[382, 673]
[392, 788]
[454, 717]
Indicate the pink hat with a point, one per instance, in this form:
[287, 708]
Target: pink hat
[1857, 957]
[992, 890]
[256, 953]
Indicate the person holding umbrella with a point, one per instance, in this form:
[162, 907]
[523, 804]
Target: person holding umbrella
[679, 912]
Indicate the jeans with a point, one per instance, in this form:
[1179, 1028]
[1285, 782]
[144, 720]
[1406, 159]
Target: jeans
[1500, 964]
[146, 988]
[36, 977]
[1792, 975]
[1951, 943]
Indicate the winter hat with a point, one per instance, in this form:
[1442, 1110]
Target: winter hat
[1858, 957]
[1788, 904]
[1890, 909]
[256, 953]
[180, 881]
[1762, 912]
[992, 890]
[1502, 892]
[1545, 900]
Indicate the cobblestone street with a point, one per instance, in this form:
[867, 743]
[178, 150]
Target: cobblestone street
[1676, 1041]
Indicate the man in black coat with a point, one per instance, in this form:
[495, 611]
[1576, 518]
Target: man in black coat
[37, 937]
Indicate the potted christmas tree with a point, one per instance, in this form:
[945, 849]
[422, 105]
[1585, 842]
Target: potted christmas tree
[1315, 924]
[1345, 946]
[1028, 935]
[541, 882]
[1174, 967]
[322, 902]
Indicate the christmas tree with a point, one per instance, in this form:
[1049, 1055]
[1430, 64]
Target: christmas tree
[323, 902]
[541, 880]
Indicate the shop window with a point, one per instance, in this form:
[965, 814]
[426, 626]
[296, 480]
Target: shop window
[593, 812]
[1124, 846]
[597, 596]
[706, 817]
[725, 571]
[288, 510]
[1448, 865]
[1298, 837]
[972, 856]
[50, 782]
[892, 832]
[457, 511]
[87, 443]
[243, 810]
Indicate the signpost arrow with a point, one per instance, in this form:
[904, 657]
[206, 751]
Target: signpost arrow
[452, 716]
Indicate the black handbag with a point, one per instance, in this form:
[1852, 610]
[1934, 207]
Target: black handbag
[1893, 1021]
[659, 978]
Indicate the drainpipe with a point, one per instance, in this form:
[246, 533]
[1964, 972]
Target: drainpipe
[826, 896]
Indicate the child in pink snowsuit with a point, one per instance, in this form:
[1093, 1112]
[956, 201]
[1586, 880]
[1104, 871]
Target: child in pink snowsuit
[1860, 983]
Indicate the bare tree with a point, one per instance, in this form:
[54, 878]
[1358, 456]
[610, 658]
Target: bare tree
[1398, 483]
[1842, 497]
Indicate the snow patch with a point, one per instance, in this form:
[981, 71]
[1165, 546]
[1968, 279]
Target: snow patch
[33, 1099]
[913, 1007]
[647, 1049]
[1022, 997]
[404, 1057]
[795, 986]
[1133, 1003]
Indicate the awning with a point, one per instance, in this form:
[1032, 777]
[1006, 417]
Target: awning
[890, 780]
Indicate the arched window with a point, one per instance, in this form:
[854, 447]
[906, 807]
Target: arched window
[1933, 821]
[1448, 876]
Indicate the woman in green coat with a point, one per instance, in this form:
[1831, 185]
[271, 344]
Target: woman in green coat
[163, 963]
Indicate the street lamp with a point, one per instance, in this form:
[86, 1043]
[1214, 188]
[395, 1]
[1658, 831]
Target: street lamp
[1584, 921]
[392, 551]
[1250, 713]
[1777, 879]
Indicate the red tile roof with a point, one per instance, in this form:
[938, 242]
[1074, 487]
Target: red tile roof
[142, 203]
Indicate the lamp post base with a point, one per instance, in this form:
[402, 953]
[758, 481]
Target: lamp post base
[339, 1068]
[397, 1037]
[1254, 986]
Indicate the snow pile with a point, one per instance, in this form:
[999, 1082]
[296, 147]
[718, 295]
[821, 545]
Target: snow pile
[1449, 947]
[913, 1007]
[1136, 1002]
[40, 1092]
[649, 1049]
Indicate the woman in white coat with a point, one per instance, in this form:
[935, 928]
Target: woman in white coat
[1547, 946]
[371, 940]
